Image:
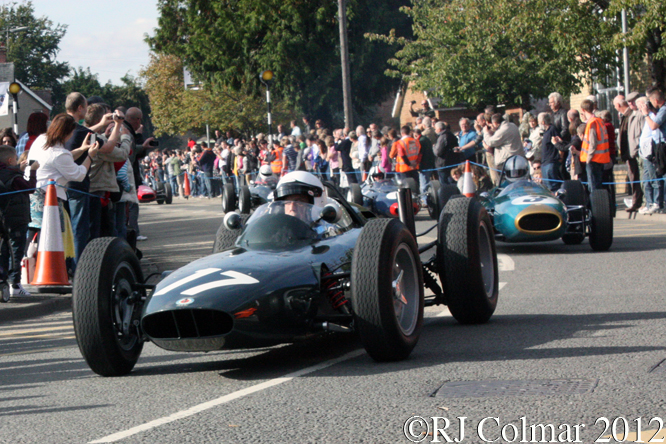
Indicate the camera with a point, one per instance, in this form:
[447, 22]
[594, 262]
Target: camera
[154, 143]
[117, 116]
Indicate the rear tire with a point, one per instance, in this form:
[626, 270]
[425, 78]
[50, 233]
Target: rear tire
[244, 200]
[168, 193]
[575, 195]
[102, 301]
[432, 199]
[228, 197]
[601, 221]
[467, 261]
[387, 290]
[354, 194]
[446, 193]
[226, 238]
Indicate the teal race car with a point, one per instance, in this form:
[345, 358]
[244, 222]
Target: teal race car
[524, 210]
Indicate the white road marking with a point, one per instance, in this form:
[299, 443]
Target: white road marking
[505, 262]
[501, 285]
[224, 399]
[189, 219]
[189, 244]
[445, 313]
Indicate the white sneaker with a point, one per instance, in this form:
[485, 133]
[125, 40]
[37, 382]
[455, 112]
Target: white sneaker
[18, 290]
[643, 210]
[141, 238]
[653, 209]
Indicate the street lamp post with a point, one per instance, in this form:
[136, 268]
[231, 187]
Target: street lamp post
[8, 30]
[266, 78]
[14, 89]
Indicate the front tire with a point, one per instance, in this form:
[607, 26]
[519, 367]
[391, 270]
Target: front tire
[244, 200]
[467, 261]
[228, 197]
[432, 199]
[387, 290]
[226, 238]
[575, 195]
[601, 221]
[105, 309]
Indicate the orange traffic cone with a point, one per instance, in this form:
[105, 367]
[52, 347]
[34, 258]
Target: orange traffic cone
[186, 185]
[50, 269]
[469, 189]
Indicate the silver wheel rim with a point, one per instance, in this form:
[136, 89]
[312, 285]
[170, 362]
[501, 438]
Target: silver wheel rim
[405, 290]
[123, 308]
[487, 260]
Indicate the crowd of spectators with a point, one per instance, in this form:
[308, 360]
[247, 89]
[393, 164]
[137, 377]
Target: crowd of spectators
[99, 156]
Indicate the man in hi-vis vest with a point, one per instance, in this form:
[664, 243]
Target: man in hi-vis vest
[407, 154]
[595, 150]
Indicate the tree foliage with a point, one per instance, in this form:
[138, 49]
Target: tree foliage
[230, 42]
[647, 29]
[505, 51]
[176, 110]
[33, 51]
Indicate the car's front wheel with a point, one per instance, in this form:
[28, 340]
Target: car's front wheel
[106, 308]
[467, 261]
[387, 290]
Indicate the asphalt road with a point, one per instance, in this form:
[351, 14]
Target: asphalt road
[577, 336]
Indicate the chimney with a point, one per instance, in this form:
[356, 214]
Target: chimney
[3, 54]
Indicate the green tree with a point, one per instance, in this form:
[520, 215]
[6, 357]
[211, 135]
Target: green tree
[230, 43]
[176, 110]
[647, 28]
[34, 50]
[477, 52]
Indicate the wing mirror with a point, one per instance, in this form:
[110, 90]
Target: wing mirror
[561, 193]
[330, 213]
[484, 195]
[232, 221]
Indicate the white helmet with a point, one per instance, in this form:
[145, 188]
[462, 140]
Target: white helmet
[266, 170]
[303, 183]
[516, 168]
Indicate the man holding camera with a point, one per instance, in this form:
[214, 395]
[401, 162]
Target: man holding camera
[424, 111]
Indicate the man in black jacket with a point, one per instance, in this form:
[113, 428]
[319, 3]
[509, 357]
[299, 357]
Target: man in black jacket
[427, 164]
[444, 151]
[344, 148]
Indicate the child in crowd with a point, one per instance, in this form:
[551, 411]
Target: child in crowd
[15, 210]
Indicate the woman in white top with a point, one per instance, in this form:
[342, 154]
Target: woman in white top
[55, 161]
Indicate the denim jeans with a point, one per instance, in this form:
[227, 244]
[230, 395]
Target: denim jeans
[17, 239]
[595, 173]
[119, 218]
[174, 184]
[79, 211]
[551, 172]
[654, 190]
[424, 180]
[95, 217]
[207, 184]
[133, 217]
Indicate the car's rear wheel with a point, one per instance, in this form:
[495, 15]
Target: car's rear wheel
[432, 199]
[354, 194]
[467, 261]
[446, 193]
[601, 221]
[244, 200]
[226, 238]
[228, 197]
[387, 290]
[105, 307]
[168, 194]
[575, 194]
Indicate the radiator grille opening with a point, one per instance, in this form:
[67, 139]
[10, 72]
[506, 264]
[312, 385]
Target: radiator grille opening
[186, 323]
[539, 222]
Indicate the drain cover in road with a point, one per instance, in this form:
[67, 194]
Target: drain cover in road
[482, 389]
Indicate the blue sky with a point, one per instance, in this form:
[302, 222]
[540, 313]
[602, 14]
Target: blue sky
[106, 36]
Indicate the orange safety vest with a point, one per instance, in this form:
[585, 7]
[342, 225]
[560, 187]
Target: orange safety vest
[602, 151]
[276, 165]
[409, 147]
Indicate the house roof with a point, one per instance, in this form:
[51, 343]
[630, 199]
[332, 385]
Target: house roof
[34, 96]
